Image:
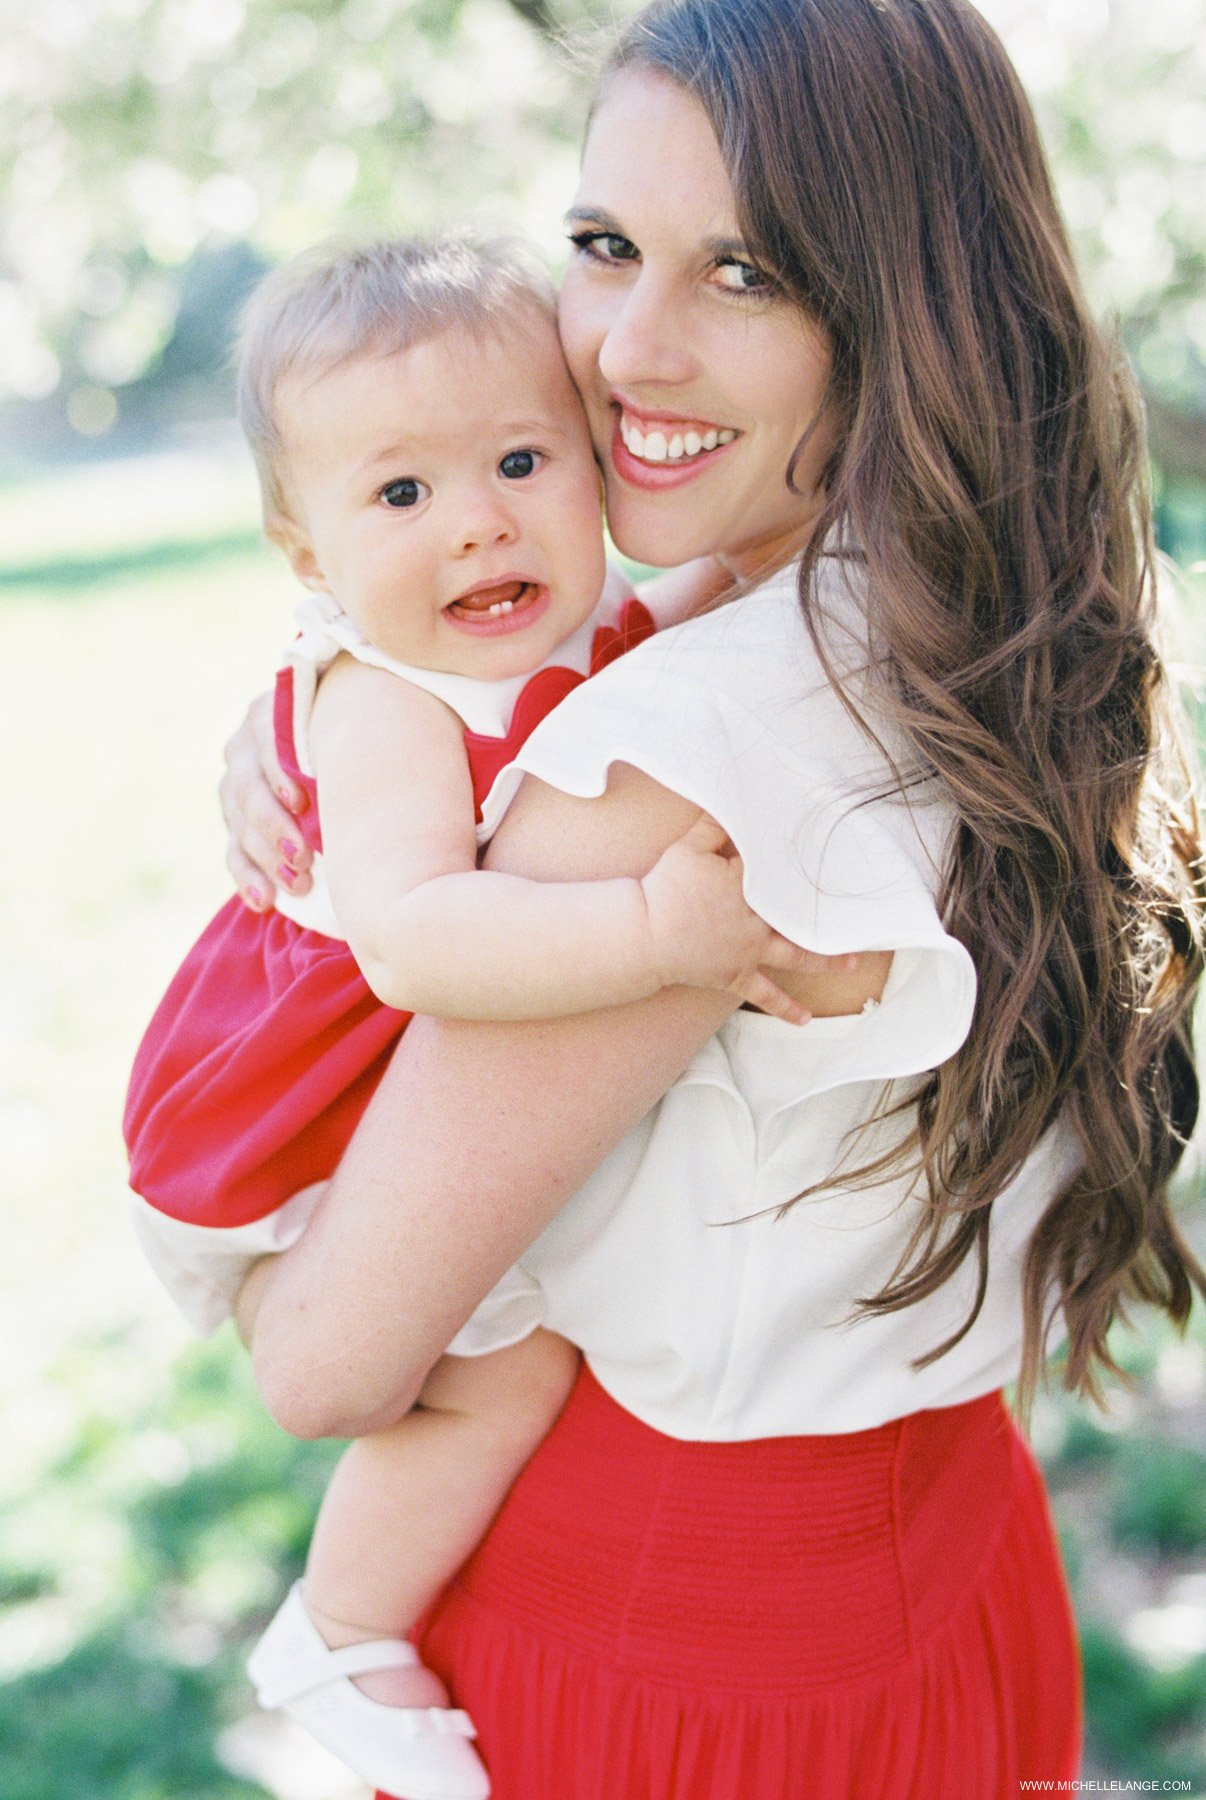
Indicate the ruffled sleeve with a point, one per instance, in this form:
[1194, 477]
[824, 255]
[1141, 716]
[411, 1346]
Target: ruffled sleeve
[734, 711]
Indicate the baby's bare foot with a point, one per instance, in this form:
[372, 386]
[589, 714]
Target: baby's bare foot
[389, 1687]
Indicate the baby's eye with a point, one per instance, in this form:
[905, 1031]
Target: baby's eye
[517, 464]
[407, 492]
[738, 277]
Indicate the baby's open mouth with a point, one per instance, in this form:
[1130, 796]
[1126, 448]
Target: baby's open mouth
[494, 599]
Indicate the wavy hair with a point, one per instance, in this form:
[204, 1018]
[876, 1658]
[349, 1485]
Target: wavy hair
[991, 467]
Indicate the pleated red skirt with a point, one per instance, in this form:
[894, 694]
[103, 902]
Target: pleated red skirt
[880, 1615]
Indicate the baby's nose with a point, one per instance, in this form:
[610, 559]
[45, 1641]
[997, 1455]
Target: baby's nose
[488, 523]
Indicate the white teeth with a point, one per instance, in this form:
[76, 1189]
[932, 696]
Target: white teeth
[506, 605]
[656, 447]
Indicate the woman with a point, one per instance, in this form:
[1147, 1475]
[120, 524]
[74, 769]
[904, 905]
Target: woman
[784, 1540]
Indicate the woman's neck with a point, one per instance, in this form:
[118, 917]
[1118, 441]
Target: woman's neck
[752, 563]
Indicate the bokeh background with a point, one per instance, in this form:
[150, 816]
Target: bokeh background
[155, 156]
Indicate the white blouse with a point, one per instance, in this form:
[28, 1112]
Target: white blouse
[700, 1306]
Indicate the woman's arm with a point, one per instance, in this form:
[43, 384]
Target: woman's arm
[476, 1137]
[478, 1134]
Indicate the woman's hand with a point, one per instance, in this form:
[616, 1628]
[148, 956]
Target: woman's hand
[260, 805]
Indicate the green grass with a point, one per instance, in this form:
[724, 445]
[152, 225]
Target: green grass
[149, 1512]
[166, 1532]
[70, 578]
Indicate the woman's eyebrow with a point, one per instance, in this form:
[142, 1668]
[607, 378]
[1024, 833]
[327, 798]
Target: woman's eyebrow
[718, 248]
[593, 215]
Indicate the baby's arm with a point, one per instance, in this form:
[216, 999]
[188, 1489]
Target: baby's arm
[434, 934]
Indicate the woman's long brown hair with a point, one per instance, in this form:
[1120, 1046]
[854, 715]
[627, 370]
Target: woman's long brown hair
[888, 174]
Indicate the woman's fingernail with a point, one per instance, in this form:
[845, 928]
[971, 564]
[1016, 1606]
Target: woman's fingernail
[286, 874]
[289, 850]
[253, 897]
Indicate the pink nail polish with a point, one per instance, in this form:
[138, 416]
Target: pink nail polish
[253, 898]
[289, 850]
[286, 874]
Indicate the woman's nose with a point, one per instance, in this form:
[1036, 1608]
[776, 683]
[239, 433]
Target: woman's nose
[647, 339]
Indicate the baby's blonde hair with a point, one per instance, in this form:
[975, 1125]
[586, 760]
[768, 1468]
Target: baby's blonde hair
[338, 301]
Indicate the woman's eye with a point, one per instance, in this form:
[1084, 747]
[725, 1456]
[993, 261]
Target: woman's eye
[737, 277]
[604, 246]
[407, 492]
[517, 464]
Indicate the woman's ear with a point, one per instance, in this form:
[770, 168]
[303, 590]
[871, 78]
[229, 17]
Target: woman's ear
[292, 538]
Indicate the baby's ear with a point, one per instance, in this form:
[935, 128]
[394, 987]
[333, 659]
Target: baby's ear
[291, 537]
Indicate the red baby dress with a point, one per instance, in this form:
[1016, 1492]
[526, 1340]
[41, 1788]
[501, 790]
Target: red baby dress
[267, 1045]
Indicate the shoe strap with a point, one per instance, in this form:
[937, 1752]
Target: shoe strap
[329, 1665]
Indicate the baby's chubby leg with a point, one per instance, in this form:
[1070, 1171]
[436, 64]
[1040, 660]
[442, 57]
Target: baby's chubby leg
[406, 1506]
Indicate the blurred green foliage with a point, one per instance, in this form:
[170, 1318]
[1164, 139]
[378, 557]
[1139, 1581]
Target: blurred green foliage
[1120, 90]
[201, 1504]
[142, 138]
[155, 153]
[1157, 1495]
[1141, 1721]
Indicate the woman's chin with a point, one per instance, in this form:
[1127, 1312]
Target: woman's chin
[659, 542]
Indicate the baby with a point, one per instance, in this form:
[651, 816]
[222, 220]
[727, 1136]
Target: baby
[427, 469]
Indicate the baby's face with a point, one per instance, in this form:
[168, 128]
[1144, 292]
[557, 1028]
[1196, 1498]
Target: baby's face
[448, 497]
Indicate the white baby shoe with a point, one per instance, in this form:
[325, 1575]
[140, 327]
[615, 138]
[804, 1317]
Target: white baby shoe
[417, 1753]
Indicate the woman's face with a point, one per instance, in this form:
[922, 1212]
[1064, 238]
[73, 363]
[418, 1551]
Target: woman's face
[699, 378]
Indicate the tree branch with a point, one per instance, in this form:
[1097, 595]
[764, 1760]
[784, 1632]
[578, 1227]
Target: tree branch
[538, 13]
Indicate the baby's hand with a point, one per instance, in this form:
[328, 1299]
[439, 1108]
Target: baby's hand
[704, 934]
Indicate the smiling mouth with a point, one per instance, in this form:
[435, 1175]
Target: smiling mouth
[495, 600]
[675, 442]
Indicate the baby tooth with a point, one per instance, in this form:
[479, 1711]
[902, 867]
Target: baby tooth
[692, 443]
[674, 448]
[495, 609]
[655, 447]
[710, 439]
[726, 437]
[505, 605]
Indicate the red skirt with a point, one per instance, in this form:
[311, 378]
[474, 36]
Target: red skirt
[881, 1614]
